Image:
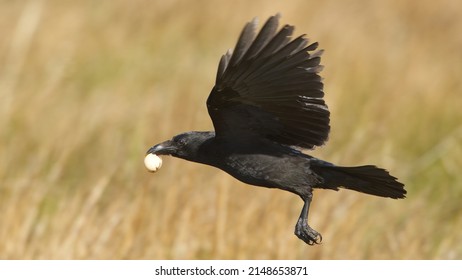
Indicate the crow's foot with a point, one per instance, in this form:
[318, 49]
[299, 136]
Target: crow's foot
[306, 233]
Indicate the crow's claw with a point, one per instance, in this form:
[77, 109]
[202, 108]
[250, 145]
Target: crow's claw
[306, 233]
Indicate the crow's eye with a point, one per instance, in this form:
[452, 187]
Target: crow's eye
[180, 141]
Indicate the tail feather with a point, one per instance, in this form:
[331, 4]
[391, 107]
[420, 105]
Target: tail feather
[366, 179]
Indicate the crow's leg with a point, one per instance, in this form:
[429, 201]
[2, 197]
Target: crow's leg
[302, 229]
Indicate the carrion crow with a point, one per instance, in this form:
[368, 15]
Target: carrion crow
[266, 106]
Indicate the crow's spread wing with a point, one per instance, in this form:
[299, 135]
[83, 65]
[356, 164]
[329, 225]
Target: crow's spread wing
[269, 87]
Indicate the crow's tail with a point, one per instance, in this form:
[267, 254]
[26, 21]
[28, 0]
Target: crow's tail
[366, 179]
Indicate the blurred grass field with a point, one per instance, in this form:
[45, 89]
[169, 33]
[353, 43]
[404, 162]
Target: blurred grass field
[86, 87]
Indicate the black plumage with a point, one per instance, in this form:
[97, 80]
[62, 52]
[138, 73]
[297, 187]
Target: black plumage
[267, 104]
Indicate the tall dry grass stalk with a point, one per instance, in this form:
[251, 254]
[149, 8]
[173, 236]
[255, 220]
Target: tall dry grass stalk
[86, 87]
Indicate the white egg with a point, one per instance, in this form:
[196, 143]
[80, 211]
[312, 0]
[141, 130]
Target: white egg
[152, 162]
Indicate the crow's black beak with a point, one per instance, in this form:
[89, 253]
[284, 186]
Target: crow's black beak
[164, 148]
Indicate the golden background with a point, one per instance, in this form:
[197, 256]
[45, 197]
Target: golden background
[86, 87]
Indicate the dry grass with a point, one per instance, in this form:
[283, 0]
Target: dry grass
[86, 87]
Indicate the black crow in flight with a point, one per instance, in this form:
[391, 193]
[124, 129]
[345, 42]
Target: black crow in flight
[266, 106]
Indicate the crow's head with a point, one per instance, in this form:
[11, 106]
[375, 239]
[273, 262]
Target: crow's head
[185, 145]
